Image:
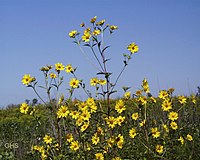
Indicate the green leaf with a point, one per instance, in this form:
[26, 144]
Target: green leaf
[100, 73]
[99, 44]
[42, 87]
[94, 38]
[106, 60]
[113, 92]
[87, 45]
[105, 48]
[125, 88]
[94, 44]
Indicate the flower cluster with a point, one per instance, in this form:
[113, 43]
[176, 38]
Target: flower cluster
[102, 128]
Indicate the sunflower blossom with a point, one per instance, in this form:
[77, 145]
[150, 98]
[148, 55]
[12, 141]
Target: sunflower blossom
[95, 139]
[69, 68]
[74, 83]
[47, 139]
[159, 148]
[135, 116]
[155, 132]
[132, 133]
[174, 125]
[99, 156]
[73, 34]
[24, 108]
[59, 67]
[62, 112]
[120, 107]
[27, 79]
[181, 139]
[189, 137]
[173, 116]
[111, 122]
[133, 48]
[74, 145]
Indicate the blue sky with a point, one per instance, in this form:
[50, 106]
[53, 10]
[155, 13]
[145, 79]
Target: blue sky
[35, 33]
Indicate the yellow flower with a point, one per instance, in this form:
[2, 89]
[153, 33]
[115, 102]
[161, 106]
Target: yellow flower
[69, 68]
[112, 27]
[182, 99]
[155, 132]
[142, 123]
[87, 30]
[74, 83]
[74, 114]
[61, 99]
[173, 116]
[174, 125]
[153, 99]
[110, 142]
[166, 105]
[93, 19]
[170, 90]
[142, 100]
[96, 32]
[135, 116]
[93, 81]
[47, 139]
[53, 75]
[45, 69]
[99, 131]
[145, 86]
[132, 133]
[127, 95]
[101, 22]
[83, 106]
[90, 101]
[43, 156]
[27, 79]
[24, 108]
[56, 146]
[111, 121]
[163, 94]
[79, 121]
[99, 156]
[86, 37]
[73, 34]
[133, 48]
[102, 81]
[181, 139]
[120, 120]
[95, 139]
[69, 137]
[86, 115]
[138, 92]
[120, 107]
[159, 148]
[165, 128]
[84, 127]
[93, 108]
[74, 145]
[193, 99]
[120, 140]
[189, 137]
[38, 148]
[59, 67]
[62, 112]
[82, 24]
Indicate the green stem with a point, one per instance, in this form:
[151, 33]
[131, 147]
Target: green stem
[38, 95]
